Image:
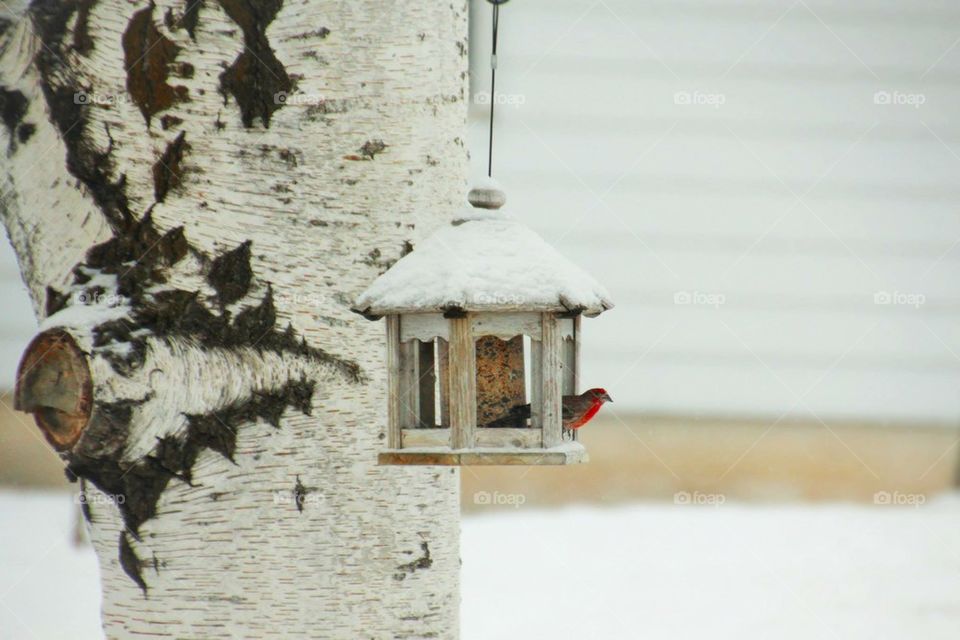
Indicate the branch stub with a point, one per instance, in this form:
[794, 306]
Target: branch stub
[54, 384]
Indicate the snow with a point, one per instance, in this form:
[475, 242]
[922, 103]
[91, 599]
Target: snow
[486, 182]
[49, 585]
[485, 261]
[87, 308]
[84, 316]
[655, 571]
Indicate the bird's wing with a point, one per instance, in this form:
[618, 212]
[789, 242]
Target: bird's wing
[516, 417]
[521, 411]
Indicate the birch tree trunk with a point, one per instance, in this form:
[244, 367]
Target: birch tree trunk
[196, 190]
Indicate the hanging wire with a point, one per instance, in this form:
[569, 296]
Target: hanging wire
[493, 80]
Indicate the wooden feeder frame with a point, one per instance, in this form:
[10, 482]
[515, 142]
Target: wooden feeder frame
[457, 440]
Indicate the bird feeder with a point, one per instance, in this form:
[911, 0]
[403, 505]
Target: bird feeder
[483, 342]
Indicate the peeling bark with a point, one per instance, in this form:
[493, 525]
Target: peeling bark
[148, 56]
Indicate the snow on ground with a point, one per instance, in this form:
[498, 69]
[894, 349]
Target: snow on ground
[651, 570]
[668, 571]
[48, 584]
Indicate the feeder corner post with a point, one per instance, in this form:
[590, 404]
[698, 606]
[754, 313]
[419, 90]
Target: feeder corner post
[463, 384]
[394, 407]
[551, 394]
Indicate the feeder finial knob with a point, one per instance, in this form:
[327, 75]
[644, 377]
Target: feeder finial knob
[487, 195]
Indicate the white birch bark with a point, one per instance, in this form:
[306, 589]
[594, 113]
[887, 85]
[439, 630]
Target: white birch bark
[290, 530]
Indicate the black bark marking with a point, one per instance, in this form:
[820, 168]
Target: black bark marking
[167, 121]
[168, 170]
[25, 131]
[55, 300]
[82, 42]
[320, 33]
[131, 563]
[61, 87]
[257, 80]
[371, 148]
[185, 70]
[299, 494]
[191, 17]
[138, 486]
[13, 108]
[289, 157]
[148, 55]
[84, 503]
[382, 263]
[231, 274]
[140, 257]
[423, 562]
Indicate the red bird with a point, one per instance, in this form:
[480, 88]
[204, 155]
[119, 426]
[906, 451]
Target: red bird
[577, 410]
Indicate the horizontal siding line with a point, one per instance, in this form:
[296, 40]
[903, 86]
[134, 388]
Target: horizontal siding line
[818, 363]
[734, 301]
[829, 246]
[648, 183]
[764, 13]
[705, 124]
[716, 75]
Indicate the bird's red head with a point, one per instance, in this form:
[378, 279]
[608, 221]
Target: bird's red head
[600, 394]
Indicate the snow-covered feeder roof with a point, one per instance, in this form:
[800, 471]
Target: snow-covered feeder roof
[485, 261]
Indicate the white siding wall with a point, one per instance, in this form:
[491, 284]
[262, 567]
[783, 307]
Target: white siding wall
[797, 199]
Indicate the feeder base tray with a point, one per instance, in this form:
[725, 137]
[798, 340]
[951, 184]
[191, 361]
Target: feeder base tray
[567, 453]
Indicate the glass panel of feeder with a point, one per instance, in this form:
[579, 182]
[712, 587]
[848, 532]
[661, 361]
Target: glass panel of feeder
[501, 389]
[526, 369]
[409, 363]
[427, 385]
[536, 383]
[442, 384]
[417, 374]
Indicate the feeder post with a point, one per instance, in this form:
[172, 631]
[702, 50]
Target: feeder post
[393, 381]
[552, 382]
[463, 383]
[576, 364]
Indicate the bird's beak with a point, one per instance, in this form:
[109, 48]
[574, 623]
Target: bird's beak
[606, 397]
